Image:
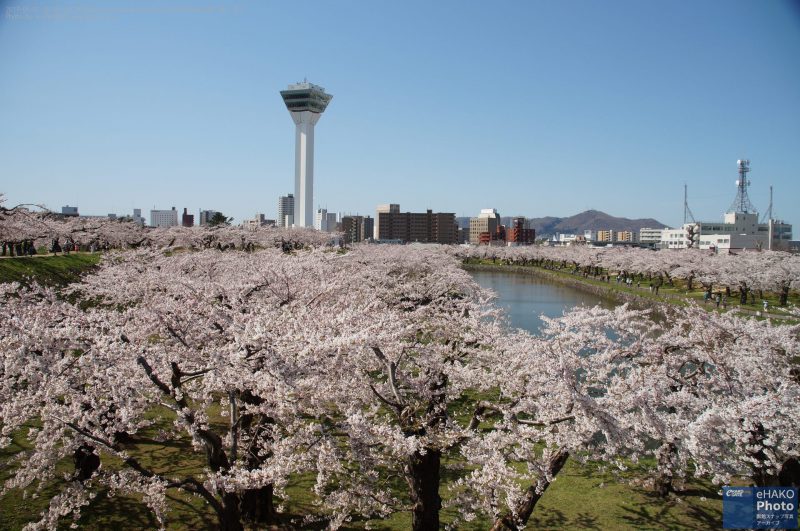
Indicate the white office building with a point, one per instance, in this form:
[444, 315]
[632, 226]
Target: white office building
[650, 237]
[739, 230]
[164, 218]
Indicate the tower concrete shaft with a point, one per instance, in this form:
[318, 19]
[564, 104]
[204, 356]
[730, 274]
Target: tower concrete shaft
[304, 167]
[306, 102]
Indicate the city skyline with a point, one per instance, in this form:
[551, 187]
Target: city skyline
[559, 109]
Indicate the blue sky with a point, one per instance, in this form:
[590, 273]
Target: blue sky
[531, 107]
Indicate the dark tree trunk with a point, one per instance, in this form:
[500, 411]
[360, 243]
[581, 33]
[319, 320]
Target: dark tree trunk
[230, 519]
[789, 476]
[663, 482]
[743, 294]
[784, 296]
[86, 462]
[532, 495]
[422, 474]
[760, 471]
[257, 505]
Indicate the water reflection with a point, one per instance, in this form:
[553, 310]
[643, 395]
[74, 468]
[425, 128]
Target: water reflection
[526, 297]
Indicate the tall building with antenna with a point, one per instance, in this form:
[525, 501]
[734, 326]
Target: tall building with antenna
[306, 102]
[740, 228]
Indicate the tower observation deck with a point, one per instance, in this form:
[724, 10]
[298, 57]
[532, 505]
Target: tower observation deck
[306, 102]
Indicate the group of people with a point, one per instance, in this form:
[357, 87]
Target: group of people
[721, 298]
[22, 248]
[718, 298]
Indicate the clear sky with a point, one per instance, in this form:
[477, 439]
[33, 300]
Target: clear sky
[531, 107]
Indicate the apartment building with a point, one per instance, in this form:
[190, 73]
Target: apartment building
[423, 227]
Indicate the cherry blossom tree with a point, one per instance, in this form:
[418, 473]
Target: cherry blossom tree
[184, 335]
[263, 336]
[725, 391]
[369, 369]
[19, 225]
[560, 397]
[405, 383]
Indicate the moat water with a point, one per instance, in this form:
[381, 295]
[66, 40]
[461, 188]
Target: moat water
[526, 297]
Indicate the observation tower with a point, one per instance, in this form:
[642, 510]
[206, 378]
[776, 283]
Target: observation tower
[306, 102]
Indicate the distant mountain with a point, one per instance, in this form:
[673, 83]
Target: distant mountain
[591, 219]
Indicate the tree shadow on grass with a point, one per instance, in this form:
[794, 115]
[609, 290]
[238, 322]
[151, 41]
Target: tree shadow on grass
[170, 443]
[555, 519]
[117, 512]
[207, 517]
[657, 515]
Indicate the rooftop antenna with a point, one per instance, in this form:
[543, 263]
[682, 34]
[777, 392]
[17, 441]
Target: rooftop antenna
[768, 215]
[742, 202]
[687, 213]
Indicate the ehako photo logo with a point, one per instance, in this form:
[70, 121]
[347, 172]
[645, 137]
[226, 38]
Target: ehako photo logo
[759, 508]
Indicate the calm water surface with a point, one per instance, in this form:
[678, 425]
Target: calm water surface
[526, 297]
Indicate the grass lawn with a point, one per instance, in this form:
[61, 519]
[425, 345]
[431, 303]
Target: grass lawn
[48, 270]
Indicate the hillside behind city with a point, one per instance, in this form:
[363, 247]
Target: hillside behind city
[588, 220]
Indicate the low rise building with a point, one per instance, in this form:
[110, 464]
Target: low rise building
[606, 236]
[650, 237]
[257, 221]
[520, 232]
[627, 236]
[563, 238]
